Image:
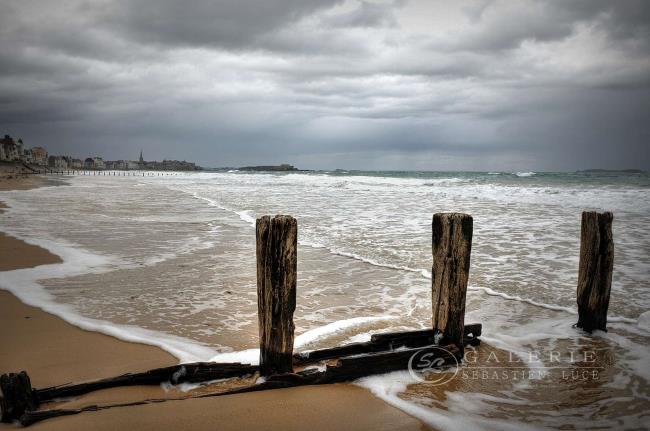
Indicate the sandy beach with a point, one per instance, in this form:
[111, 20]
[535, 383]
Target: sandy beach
[54, 352]
[164, 260]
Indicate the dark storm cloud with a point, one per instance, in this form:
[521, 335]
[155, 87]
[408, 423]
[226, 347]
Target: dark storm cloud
[354, 84]
[223, 23]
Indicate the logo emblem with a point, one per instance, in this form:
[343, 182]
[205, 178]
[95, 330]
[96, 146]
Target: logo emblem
[436, 362]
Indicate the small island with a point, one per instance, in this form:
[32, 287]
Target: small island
[271, 168]
[610, 171]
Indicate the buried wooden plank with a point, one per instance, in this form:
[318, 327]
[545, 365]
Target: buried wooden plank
[184, 373]
[18, 395]
[345, 369]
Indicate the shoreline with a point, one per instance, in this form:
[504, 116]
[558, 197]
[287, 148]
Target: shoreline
[55, 352]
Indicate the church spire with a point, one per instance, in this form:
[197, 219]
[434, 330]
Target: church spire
[141, 161]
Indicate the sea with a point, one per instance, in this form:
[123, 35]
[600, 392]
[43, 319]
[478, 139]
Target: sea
[168, 259]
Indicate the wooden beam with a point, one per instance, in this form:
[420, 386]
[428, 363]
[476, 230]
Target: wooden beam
[451, 248]
[595, 270]
[386, 342]
[354, 367]
[185, 373]
[345, 369]
[205, 371]
[276, 291]
[469, 330]
[19, 397]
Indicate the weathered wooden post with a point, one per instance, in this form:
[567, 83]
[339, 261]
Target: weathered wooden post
[276, 291]
[17, 396]
[595, 270]
[451, 246]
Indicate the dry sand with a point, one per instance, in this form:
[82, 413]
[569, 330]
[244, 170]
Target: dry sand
[55, 352]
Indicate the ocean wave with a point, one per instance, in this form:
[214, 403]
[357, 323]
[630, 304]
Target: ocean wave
[245, 216]
[524, 174]
[23, 283]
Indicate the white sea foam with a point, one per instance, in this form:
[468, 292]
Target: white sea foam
[462, 413]
[251, 356]
[23, 283]
[245, 216]
[636, 357]
[644, 321]
[321, 332]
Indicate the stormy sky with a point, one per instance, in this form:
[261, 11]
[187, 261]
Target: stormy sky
[323, 84]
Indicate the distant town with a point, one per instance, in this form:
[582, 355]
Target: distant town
[34, 159]
[14, 150]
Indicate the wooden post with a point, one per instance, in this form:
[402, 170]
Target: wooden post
[595, 270]
[17, 396]
[276, 291]
[451, 246]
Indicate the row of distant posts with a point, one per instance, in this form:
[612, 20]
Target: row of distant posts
[276, 250]
[103, 173]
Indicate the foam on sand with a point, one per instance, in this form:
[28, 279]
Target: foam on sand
[460, 415]
[23, 283]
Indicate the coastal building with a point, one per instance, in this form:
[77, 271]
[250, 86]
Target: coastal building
[39, 156]
[28, 157]
[13, 150]
[118, 165]
[57, 162]
[10, 149]
[94, 163]
[68, 161]
[171, 165]
[98, 162]
[19, 149]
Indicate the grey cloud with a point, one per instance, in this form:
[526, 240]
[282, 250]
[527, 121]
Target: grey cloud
[553, 85]
[499, 25]
[223, 23]
[366, 14]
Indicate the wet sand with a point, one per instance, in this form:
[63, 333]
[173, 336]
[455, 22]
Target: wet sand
[54, 352]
